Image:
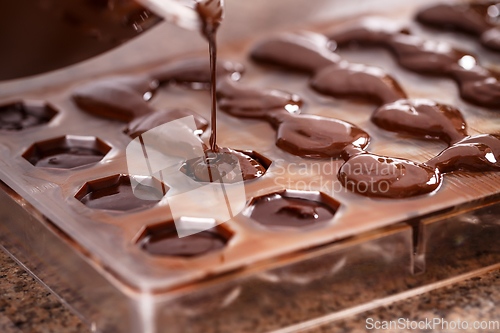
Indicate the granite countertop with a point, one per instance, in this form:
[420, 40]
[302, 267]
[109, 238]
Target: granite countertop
[27, 307]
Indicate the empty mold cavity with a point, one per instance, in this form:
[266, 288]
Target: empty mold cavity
[294, 209]
[163, 240]
[16, 116]
[67, 152]
[122, 193]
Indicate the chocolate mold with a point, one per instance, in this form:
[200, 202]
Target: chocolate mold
[162, 239]
[16, 116]
[292, 209]
[114, 193]
[67, 152]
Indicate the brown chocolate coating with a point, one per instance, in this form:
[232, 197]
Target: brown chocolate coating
[303, 51]
[244, 102]
[477, 85]
[386, 177]
[316, 137]
[67, 157]
[168, 243]
[471, 18]
[421, 118]
[39, 36]
[117, 196]
[20, 115]
[149, 121]
[475, 153]
[279, 210]
[211, 167]
[195, 72]
[357, 81]
[121, 97]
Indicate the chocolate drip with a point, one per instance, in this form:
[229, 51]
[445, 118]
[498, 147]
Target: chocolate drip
[214, 166]
[421, 118]
[477, 85]
[303, 51]
[279, 210]
[357, 81]
[123, 97]
[168, 243]
[211, 13]
[21, 115]
[149, 121]
[301, 135]
[386, 177]
[195, 72]
[471, 18]
[475, 153]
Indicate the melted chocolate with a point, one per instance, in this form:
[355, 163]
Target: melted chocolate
[122, 97]
[475, 153]
[359, 82]
[67, 157]
[301, 135]
[386, 177]
[195, 72]
[211, 13]
[149, 121]
[21, 115]
[421, 118]
[215, 166]
[117, 196]
[168, 243]
[316, 137]
[39, 36]
[477, 85]
[279, 210]
[245, 102]
[478, 19]
[303, 51]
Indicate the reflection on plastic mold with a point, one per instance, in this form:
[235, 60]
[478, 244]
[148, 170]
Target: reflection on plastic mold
[67, 152]
[115, 193]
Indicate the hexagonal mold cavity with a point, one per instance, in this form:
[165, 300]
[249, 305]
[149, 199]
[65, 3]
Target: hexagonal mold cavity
[16, 116]
[67, 152]
[295, 209]
[188, 170]
[162, 239]
[115, 193]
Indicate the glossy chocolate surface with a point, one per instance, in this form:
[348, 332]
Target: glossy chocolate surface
[168, 243]
[121, 97]
[386, 177]
[214, 167]
[473, 154]
[280, 210]
[477, 85]
[478, 18]
[149, 121]
[20, 115]
[421, 118]
[51, 34]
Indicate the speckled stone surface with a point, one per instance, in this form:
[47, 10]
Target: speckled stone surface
[26, 306]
